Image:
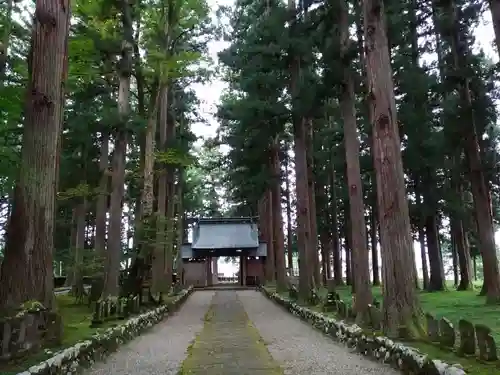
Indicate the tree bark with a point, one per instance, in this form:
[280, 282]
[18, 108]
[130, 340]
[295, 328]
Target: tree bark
[401, 306]
[348, 249]
[495, 17]
[279, 240]
[113, 253]
[102, 199]
[449, 28]
[146, 226]
[373, 241]
[180, 223]
[288, 217]
[359, 247]
[80, 222]
[421, 236]
[460, 241]
[313, 225]
[270, 259]
[27, 270]
[4, 42]
[158, 260]
[337, 260]
[436, 281]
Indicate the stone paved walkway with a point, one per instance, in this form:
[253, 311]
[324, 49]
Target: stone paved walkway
[229, 344]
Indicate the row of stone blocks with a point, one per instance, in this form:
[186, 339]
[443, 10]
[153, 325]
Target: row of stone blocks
[27, 332]
[440, 332]
[464, 341]
[115, 308]
[407, 360]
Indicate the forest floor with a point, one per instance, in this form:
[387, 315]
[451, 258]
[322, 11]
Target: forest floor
[454, 306]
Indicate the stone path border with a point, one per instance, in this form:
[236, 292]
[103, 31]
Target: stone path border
[85, 353]
[403, 358]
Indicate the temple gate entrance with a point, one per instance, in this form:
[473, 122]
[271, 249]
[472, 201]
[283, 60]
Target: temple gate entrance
[224, 237]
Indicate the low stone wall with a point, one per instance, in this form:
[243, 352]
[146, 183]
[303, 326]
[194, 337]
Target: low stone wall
[71, 360]
[408, 360]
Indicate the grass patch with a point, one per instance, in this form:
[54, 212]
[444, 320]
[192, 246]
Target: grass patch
[76, 321]
[452, 305]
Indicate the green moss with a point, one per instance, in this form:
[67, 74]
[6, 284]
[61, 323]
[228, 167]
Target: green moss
[32, 306]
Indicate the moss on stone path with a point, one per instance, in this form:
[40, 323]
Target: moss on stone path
[229, 344]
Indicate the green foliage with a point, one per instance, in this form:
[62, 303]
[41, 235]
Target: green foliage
[174, 157]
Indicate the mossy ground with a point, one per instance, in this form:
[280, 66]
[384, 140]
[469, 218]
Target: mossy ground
[454, 306]
[228, 344]
[76, 321]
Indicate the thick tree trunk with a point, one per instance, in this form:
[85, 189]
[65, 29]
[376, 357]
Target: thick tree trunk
[421, 237]
[359, 247]
[288, 218]
[300, 135]
[102, 199]
[324, 229]
[460, 241]
[27, 270]
[4, 42]
[303, 219]
[324, 242]
[270, 259]
[80, 222]
[474, 263]
[436, 281]
[114, 250]
[158, 260]
[113, 253]
[401, 307]
[348, 250]
[454, 258]
[72, 241]
[450, 29]
[373, 241]
[146, 223]
[279, 240]
[180, 223]
[313, 226]
[335, 246]
[495, 17]
[170, 210]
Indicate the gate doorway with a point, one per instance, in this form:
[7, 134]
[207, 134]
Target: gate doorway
[215, 239]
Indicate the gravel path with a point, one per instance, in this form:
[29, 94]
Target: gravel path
[298, 347]
[229, 344]
[164, 348]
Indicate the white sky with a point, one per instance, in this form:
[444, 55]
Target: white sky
[209, 95]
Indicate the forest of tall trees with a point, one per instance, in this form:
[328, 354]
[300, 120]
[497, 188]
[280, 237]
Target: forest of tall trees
[363, 134]
[388, 113]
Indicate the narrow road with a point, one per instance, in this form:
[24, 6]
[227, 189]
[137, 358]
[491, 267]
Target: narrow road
[231, 332]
